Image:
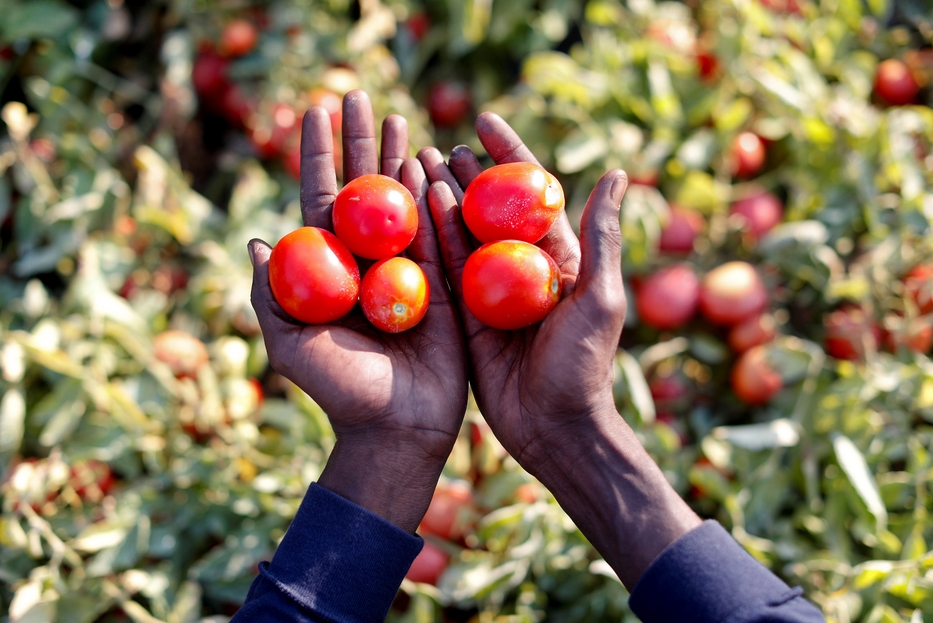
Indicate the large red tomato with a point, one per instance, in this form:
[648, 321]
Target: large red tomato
[747, 155]
[681, 230]
[761, 212]
[919, 285]
[375, 216]
[731, 293]
[394, 294]
[428, 565]
[451, 513]
[510, 284]
[515, 201]
[754, 381]
[668, 298]
[313, 276]
[894, 83]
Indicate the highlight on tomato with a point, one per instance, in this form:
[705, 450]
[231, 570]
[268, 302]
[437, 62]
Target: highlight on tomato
[395, 294]
[375, 216]
[514, 201]
[510, 284]
[731, 293]
[313, 276]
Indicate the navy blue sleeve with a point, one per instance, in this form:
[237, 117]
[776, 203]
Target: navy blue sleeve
[707, 577]
[338, 562]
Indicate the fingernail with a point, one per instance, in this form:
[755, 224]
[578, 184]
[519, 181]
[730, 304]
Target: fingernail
[617, 190]
[252, 253]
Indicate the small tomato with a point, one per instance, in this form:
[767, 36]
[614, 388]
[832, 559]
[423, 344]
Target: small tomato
[238, 38]
[394, 294]
[754, 381]
[428, 565]
[668, 298]
[510, 284]
[894, 83]
[313, 276]
[731, 293]
[760, 212]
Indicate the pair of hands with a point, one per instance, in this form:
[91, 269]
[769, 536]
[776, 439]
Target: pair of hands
[396, 402]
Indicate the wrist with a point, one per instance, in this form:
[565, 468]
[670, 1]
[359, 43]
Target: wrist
[390, 476]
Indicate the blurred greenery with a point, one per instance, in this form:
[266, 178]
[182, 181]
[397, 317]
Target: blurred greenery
[131, 177]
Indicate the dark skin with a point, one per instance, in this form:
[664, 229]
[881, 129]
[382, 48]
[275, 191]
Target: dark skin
[396, 402]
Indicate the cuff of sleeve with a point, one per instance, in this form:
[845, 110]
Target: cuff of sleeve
[336, 552]
[715, 579]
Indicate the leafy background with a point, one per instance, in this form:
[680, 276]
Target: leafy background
[133, 491]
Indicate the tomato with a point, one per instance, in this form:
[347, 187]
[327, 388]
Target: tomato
[919, 285]
[332, 103]
[527, 493]
[272, 135]
[915, 335]
[751, 332]
[681, 230]
[91, 479]
[754, 381]
[428, 565]
[510, 284]
[516, 201]
[394, 294]
[448, 103]
[851, 333]
[451, 513]
[747, 155]
[209, 75]
[313, 276]
[668, 298]
[238, 38]
[894, 83]
[183, 352]
[670, 393]
[760, 212]
[731, 293]
[375, 216]
[418, 24]
[708, 66]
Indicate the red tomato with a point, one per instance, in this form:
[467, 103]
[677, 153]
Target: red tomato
[428, 565]
[708, 66]
[332, 103]
[394, 294]
[851, 333]
[752, 332]
[919, 285]
[183, 352]
[670, 393]
[375, 216]
[510, 284]
[761, 212]
[915, 335]
[747, 155]
[418, 24]
[91, 479]
[272, 135]
[681, 230]
[668, 298]
[238, 38]
[894, 83]
[754, 381]
[731, 293]
[313, 276]
[448, 103]
[209, 75]
[516, 201]
[451, 513]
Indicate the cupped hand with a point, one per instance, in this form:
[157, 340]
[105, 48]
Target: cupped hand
[539, 385]
[395, 401]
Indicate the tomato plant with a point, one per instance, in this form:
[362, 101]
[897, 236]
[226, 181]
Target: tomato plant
[681, 230]
[183, 352]
[760, 212]
[894, 83]
[375, 216]
[394, 294]
[731, 293]
[429, 564]
[754, 379]
[313, 276]
[668, 298]
[515, 201]
[851, 333]
[238, 38]
[449, 103]
[510, 284]
[747, 155]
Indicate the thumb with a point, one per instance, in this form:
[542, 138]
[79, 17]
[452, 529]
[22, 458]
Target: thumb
[600, 277]
[268, 311]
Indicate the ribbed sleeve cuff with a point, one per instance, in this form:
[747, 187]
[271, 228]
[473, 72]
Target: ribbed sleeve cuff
[707, 577]
[339, 560]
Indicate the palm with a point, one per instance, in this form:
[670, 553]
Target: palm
[365, 379]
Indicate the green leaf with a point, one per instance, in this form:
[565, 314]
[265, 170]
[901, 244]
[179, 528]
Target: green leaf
[36, 19]
[856, 469]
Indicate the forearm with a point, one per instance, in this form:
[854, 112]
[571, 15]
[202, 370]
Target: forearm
[614, 492]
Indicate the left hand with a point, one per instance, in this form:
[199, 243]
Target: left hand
[395, 401]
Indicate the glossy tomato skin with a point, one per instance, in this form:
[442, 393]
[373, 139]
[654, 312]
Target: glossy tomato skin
[428, 565]
[731, 293]
[754, 381]
[375, 216]
[515, 201]
[760, 212]
[894, 83]
[394, 294]
[681, 230]
[313, 276]
[747, 155]
[668, 298]
[510, 284]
